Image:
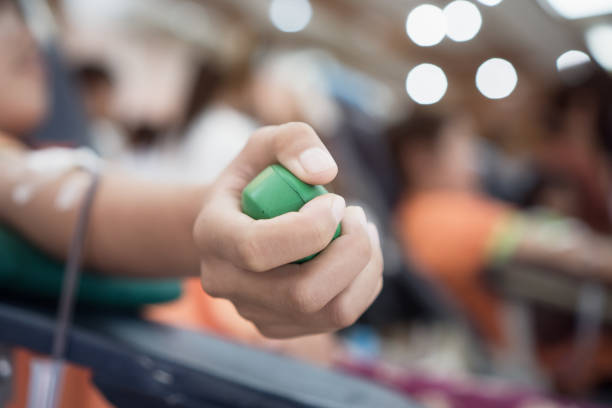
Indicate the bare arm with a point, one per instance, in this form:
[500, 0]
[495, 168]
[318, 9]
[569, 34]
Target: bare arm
[565, 246]
[136, 228]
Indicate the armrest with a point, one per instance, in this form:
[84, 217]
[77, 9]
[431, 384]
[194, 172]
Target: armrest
[138, 363]
[25, 269]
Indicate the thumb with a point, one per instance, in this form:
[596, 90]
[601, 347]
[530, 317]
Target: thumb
[295, 145]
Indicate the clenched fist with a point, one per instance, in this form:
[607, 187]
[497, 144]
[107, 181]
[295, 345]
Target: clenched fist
[249, 261]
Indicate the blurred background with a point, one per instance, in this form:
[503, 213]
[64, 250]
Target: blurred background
[477, 134]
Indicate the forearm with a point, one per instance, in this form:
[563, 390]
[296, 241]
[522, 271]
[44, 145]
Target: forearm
[574, 251]
[136, 228]
[144, 228]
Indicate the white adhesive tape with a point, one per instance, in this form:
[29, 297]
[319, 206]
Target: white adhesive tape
[46, 165]
[58, 160]
[23, 193]
[71, 191]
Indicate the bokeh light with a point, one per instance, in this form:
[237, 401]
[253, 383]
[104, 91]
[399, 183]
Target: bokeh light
[463, 20]
[573, 9]
[426, 25]
[490, 3]
[426, 84]
[572, 58]
[599, 41]
[290, 16]
[496, 78]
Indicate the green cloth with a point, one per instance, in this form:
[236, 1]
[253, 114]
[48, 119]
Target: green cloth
[24, 269]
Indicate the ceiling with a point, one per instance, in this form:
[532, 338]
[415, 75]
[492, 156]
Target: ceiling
[370, 34]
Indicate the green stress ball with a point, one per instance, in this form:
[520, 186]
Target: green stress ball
[275, 191]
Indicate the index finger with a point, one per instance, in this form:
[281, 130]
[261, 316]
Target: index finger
[260, 245]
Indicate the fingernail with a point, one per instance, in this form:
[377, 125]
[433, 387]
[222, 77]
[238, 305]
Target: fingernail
[338, 207]
[316, 160]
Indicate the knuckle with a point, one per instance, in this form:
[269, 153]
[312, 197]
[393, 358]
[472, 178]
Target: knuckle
[319, 231]
[292, 132]
[303, 298]
[377, 262]
[261, 328]
[380, 265]
[300, 128]
[361, 247]
[247, 313]
[250, 253]
[199, 233]
[342, 315]
[363, 244]
[210, 286]
[268, 331]
[259, 135]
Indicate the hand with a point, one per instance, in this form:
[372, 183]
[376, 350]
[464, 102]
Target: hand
[248, 261]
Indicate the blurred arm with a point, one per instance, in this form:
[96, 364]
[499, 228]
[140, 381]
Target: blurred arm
[564, 245]
[584, 254]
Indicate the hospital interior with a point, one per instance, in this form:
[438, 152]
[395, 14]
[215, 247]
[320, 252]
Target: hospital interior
[166, 239]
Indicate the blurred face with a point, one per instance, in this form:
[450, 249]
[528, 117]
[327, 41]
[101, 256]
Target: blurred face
[450, 163]
[23, 96]
[457, 155]
[98, 100]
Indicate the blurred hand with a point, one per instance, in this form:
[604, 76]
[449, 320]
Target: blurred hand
[248, 261]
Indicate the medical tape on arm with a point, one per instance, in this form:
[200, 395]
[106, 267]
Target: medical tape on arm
[35, 170]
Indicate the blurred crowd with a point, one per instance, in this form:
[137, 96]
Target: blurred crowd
[496, 221]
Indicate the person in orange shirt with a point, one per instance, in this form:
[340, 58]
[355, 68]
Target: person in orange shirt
[454, 233]
[445, 223]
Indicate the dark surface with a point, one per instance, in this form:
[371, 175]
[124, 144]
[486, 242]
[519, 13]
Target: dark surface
[137, 363]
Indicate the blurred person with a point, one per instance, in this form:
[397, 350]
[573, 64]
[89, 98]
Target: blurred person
[577, 147]
[455, 234]
[237, 258]
[213, 129]
[96, 84]
[442, 208]
[223, 108]
[217, 123]
[553, 193]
